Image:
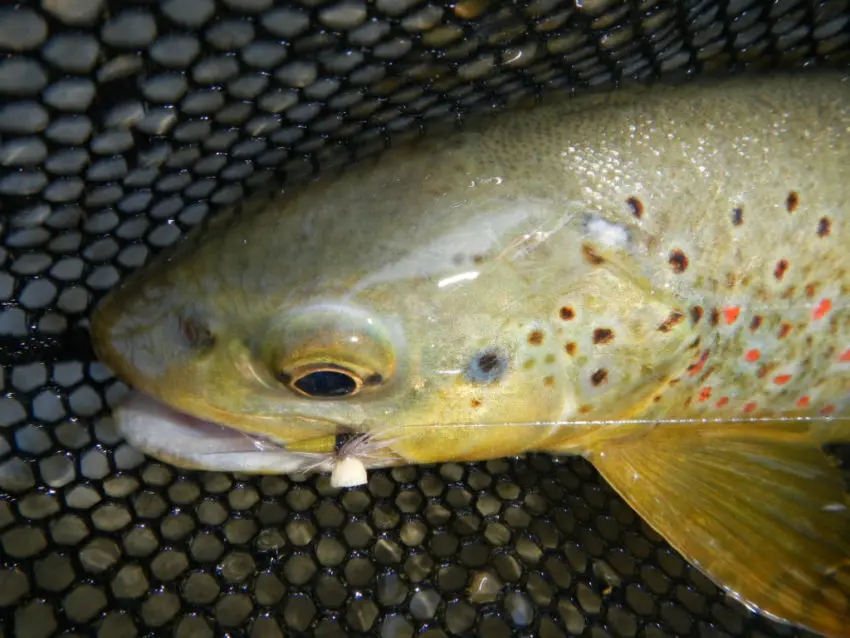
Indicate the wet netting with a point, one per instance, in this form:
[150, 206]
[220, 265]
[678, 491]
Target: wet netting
[123, 124]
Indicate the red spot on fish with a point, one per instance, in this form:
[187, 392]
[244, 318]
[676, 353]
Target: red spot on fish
[782, 379]
[823, 307]
[752, 355]
[723, 401]
[749, 407]
[827, 410]
[704, 394]
[844, 357]
[784, 329]
[802, 402]
[730, 314]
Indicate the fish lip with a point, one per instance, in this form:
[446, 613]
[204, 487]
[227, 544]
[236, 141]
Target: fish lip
[167, 434]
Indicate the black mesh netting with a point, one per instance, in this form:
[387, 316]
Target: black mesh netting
[123, 123]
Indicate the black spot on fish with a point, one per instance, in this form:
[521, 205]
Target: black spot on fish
[671, 321]
[636, 206]
[599, 377]
[696, 314]
[715, 316]
[792, 201]
[486, 367]
[535, 337]
[738, 216]
[678, 260]
[823, 227]
[566, 313]
[781, 269]
[603, 335]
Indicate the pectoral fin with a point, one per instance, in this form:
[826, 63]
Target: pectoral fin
[760, 509]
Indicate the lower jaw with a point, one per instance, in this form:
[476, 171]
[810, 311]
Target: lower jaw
[188, 442]
[178, 439]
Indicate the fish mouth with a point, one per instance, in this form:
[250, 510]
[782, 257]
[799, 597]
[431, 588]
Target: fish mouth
[180, 439]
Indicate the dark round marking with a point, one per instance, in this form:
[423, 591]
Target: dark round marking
[824, 226]
[475, 403]
[603, 335]
[535, 337]
[585, 409]
[591, 256]
[715, 316]
[373, 379]
[678, 260]
[671, 322]
[636, 207]
[656, 398]
[738, 216]
[478, 259]
[792, 201]
[326, 383]
[566, 313]
[755, 323]
[696, 314]
[570, 348]
[548, 381]
[781, 269]
[599, 377]
[810, 290]
[486, 367]
[784, 329]
[196, 334]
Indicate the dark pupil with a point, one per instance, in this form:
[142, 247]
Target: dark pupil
[326, 383]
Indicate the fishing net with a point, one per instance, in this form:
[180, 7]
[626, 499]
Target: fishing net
[123, 124]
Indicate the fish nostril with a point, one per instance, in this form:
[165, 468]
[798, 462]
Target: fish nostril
[196, 334]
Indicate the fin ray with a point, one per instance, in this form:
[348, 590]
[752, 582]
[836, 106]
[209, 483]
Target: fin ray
[761, 509]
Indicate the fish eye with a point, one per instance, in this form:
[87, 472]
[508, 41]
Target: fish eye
[487, 366]
[324, 382]
[195, 333]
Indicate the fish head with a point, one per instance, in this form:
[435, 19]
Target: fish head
[437, 362]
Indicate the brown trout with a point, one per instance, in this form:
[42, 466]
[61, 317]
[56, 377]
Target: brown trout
[656, 279]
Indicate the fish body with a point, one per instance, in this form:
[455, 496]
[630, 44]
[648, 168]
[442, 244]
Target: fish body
[656, 279]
